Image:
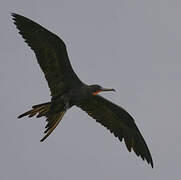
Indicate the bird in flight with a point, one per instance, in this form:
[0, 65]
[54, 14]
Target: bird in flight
[68, 90]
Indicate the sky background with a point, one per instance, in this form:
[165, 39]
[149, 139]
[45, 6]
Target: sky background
[133, 46]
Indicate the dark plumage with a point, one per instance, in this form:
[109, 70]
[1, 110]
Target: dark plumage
[67, 90]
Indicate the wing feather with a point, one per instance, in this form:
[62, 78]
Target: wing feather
[119, 122]
[51, 54]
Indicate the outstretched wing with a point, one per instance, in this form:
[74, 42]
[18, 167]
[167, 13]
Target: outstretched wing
[51, 54]
[119, 122]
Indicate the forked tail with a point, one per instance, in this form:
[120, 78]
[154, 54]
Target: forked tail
[53, 119]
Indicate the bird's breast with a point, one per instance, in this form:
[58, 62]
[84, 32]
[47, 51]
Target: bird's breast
[78, 96]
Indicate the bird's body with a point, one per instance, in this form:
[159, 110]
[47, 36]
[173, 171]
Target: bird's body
[68, 90]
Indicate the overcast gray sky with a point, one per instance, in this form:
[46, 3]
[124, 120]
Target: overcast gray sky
[133, 46]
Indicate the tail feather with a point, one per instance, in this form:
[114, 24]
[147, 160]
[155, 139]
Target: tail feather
[44, 112]
[44, 109]
[56, 119]
[40, 109]
[42, 104]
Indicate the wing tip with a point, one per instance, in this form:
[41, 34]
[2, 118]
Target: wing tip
[148, 158]
[150, 162]
[14, 15]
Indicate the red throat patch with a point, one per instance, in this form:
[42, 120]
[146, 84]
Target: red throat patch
[97, 92]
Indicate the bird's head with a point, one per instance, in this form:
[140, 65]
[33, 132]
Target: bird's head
[95, 89]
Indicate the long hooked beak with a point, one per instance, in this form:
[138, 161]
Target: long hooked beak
[105, 89]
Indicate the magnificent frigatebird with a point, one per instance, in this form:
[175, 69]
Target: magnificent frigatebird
[68, 90]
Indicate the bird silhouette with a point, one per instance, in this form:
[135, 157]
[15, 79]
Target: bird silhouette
[68, 90]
